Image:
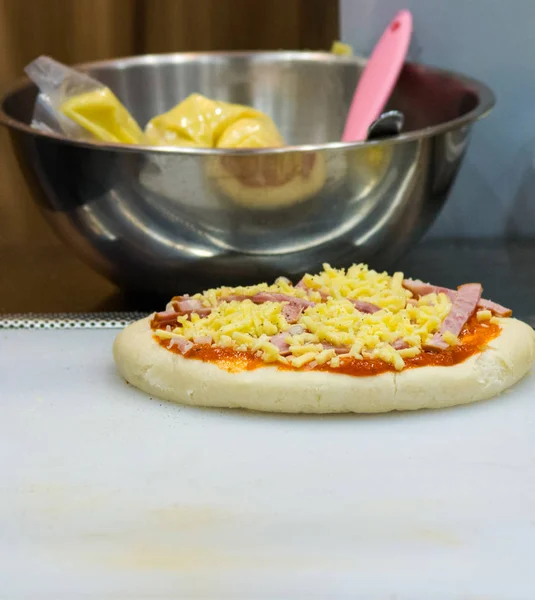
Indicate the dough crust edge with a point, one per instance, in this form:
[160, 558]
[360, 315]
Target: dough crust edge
[143, 363]
[506, 360]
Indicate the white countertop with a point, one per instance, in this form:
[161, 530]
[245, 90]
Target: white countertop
[105, 493]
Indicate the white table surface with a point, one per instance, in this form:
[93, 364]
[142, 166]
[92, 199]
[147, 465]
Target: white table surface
[105, 493]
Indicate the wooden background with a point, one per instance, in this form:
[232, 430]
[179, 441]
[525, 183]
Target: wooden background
[75, 31]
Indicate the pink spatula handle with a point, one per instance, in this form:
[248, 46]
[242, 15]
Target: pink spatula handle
[379, 78]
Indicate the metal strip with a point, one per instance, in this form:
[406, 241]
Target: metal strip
[105, 320]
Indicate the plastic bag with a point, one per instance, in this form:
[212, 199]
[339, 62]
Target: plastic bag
[74, 104]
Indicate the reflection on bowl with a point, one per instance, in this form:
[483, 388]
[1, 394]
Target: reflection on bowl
[267, 182]
[370, 166]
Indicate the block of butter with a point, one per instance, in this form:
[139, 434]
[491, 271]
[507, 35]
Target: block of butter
[199, 121]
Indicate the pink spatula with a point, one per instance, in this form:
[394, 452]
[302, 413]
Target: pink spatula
[379, 77]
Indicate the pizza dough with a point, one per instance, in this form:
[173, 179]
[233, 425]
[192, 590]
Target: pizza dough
[150, 367]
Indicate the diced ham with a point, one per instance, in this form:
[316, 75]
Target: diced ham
[181, 343]
[203, 339]
[292, 311]
[165, 318]
[166, 314]
[497, 309]
[337, 349]
[399, 344]
[262, 297]
[181, 306]
[365, 307]
[204, 311]
[360, 305]
[279, 341]
[173, 305]
[463, 307]
[419, 288]
[188, 306]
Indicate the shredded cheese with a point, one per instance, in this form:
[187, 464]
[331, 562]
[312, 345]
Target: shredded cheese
[450, 338]
[331, 329]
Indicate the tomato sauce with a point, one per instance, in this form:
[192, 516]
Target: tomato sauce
[474, 337]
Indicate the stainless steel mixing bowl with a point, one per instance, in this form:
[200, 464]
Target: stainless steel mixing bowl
[170, 220]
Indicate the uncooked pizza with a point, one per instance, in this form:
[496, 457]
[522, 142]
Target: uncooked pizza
[352, 340]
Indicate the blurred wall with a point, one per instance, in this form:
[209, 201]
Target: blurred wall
[75, 31]
[491, 40]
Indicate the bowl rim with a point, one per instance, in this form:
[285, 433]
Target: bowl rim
[486, 101]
